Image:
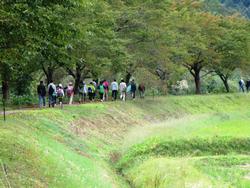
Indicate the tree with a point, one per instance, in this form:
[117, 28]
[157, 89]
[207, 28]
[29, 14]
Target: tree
[27, 29]
[141, 25]
[231, 48]
[194, 34]
[95, 45]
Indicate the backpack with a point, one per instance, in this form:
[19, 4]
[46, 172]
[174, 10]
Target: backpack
[101, 89]
[69, 91]
[89, 90]
[59, 93]
[106, 85]
[51, 90]
[129, 89]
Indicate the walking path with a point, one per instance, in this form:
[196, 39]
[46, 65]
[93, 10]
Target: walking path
[8, 112]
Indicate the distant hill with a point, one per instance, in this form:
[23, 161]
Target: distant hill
[230, 6]
[243, 6]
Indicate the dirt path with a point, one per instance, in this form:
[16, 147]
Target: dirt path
[22, 109]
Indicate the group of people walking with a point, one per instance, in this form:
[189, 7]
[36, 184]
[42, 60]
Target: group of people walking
[91, 91]
[244, 86]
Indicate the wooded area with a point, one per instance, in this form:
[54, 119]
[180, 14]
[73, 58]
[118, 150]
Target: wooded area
[48, 39]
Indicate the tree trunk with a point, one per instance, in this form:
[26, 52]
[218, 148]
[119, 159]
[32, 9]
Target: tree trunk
[195, 71]
[128, 77]
[225, 82]
[5, 72]
[197, 83]
[49, 75]
[5, 89]
[77, 80]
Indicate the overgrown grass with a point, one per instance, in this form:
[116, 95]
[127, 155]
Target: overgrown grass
[219, 171]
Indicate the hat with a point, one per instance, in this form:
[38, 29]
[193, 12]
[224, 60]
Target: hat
[70, 83]
[60, 85]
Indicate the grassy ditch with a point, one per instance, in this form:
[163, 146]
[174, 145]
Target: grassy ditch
[162, 142]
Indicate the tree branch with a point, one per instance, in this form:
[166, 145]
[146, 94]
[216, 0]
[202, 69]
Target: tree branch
[44, 69]
[207, 73]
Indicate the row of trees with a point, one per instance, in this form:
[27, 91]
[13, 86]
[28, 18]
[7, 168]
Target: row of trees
[86, 38]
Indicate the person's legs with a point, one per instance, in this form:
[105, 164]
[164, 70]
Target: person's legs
[123, 96]
[106, 95]
[61, 102]
[115, 97]
[53, 101]
[71, 99]
[40, 101]
[101, 96]
[44, 101]
[80, 97]
[91, 96]
[50, 100]
[84, 97]
[133, 94]
[242, 89]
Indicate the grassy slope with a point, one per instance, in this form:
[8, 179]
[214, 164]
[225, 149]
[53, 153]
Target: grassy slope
[73, 147]
[198, 150]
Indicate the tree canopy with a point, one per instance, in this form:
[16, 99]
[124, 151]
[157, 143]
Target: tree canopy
[93, 39]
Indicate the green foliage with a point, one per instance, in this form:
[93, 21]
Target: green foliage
[100, 38]
[179, 148]
[22, 100]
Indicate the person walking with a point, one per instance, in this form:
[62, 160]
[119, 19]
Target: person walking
[106, 90]
[41, 91]
[91, 91]
[70, 92]
[95, 85]
[101, 91]
[60, 95]
[114, 87]
[128, 91]
[133, 89]
[52, 94]
[242, 85]
[82, 92]
[123, 87]
[141, 89]
[248, 85]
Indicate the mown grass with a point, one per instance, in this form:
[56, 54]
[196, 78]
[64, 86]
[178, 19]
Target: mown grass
[38, 149]
[162, 142]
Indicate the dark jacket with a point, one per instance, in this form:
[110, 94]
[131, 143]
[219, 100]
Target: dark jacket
[41, 90]
[141, 87]
[133, 87]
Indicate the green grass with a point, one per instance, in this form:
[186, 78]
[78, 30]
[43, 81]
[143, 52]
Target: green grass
[213, 132]
[39, 149]
[189, 141]
[202, 172]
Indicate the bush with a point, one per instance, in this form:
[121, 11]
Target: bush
[24, 100]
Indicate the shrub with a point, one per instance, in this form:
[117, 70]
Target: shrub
[22, 100]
